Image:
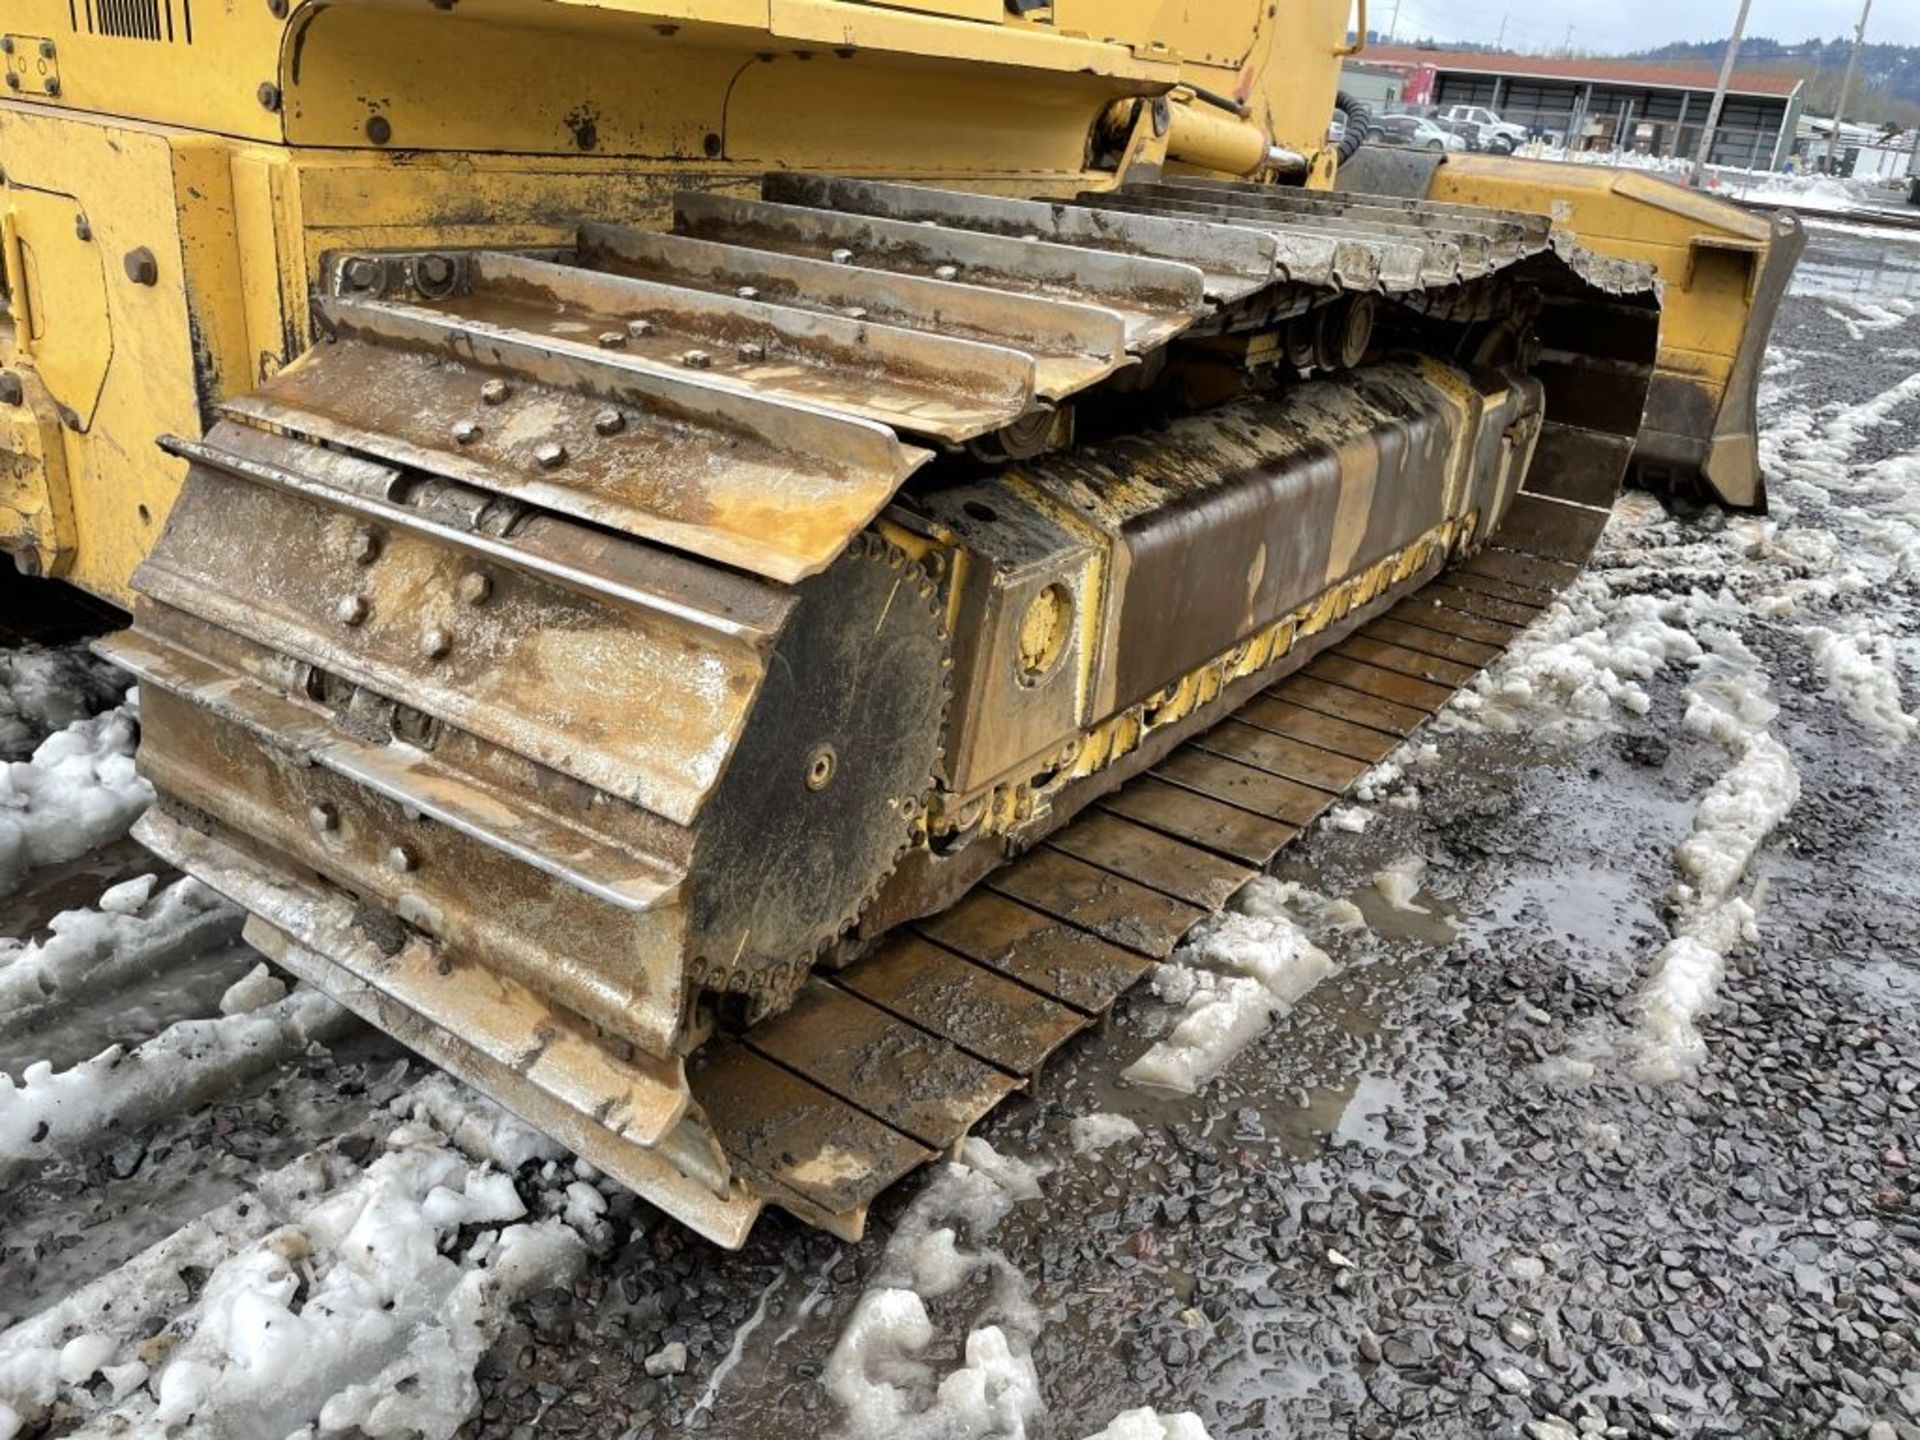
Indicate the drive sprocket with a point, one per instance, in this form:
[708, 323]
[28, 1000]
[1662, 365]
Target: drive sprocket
[826, 787]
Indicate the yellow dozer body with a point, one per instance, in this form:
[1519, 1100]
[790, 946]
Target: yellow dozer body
[735, 572]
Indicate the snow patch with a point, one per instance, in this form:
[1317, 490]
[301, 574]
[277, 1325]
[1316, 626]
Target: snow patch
[91, 952]
[1353, 819]
[1230, 977]
[1400, 881]
[1094, 1133]
[78, 791]
[1861, 672]
[879, 1373]
[47, 688]
[1147, 1424]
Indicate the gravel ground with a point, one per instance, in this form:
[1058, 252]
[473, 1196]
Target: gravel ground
[1390, 1217]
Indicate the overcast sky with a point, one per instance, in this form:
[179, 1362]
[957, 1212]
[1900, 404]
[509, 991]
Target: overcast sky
[1612, 26]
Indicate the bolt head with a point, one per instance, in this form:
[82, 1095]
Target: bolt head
[551, 455]
[364, 546]
[12, 392]
[465, 432]
[842, 256]
[753, 352]
[696, 360]
[946, 272]
[434, 272]
[142, 268]
[495, 391]
[613, 340]
[363, 273]
[402, 860]
[352, 609]
[639, 329]
[6, 44]
[46, 49]
[13, 79]
[51, 85]
[435, 642]
[324, 817]
[268, 95]
[475, 588]
[81, 229]
[747, 292]
[609, 422]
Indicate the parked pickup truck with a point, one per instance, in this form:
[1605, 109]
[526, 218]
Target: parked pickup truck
[1497, 135]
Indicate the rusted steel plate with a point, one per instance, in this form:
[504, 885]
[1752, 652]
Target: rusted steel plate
[1500, 589]
[1225, 829]
[1426, 612]
[1438, 214]
[1403, 258]
[896, 1072]
[1477, 602]
[270, 561]
[735, 476]
[925, 383]
[1471, 653]
[1046, 954]
[1113, 908]
[1251, 789]
[1342, 737]
[1235, 261]
[1311, 693]
[1001, 1022]
[1382, 684]
[1404, 661]
[1170, 866]
[1073, 346]
[294, 922]
[1554, 529]
[796, 1134]
[1156, 298]
[1552, 576]
[1281, 755]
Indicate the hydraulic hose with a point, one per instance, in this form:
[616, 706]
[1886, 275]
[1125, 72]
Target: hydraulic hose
[1359, 116]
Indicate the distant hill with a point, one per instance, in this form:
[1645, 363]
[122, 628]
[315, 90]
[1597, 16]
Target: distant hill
[1888, 88]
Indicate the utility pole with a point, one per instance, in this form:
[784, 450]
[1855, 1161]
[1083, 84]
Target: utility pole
[1393, 22]
[1720, 93]
[1846, 86]
[1566, 46]
[1499, 41]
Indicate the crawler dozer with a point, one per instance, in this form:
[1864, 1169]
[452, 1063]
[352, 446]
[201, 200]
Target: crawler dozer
[734, 571]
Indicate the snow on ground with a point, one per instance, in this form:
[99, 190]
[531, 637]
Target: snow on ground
[132, 936]
[1147, 1424]
[46, 688]
[1229, 978]
[47, 1112]
[1862, 673]
[78, 791]
[878, 1372]
[336, 1299]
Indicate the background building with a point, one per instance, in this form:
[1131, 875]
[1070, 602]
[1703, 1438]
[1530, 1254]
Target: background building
[1595, 103]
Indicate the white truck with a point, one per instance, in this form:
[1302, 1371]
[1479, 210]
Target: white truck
[1500, 136]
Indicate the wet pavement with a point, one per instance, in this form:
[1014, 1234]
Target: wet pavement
[1395, 1214]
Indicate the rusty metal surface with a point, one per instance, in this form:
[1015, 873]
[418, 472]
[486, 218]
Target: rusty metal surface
[1052, 956]
[1344, 737]
[1002, 1022]
[724, 474]
[918, 1083]
[1224, 829]
[1134, 852]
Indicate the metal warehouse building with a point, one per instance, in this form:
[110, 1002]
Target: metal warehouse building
[1598, 104]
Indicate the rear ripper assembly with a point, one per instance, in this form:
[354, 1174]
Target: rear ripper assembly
[743, 696]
